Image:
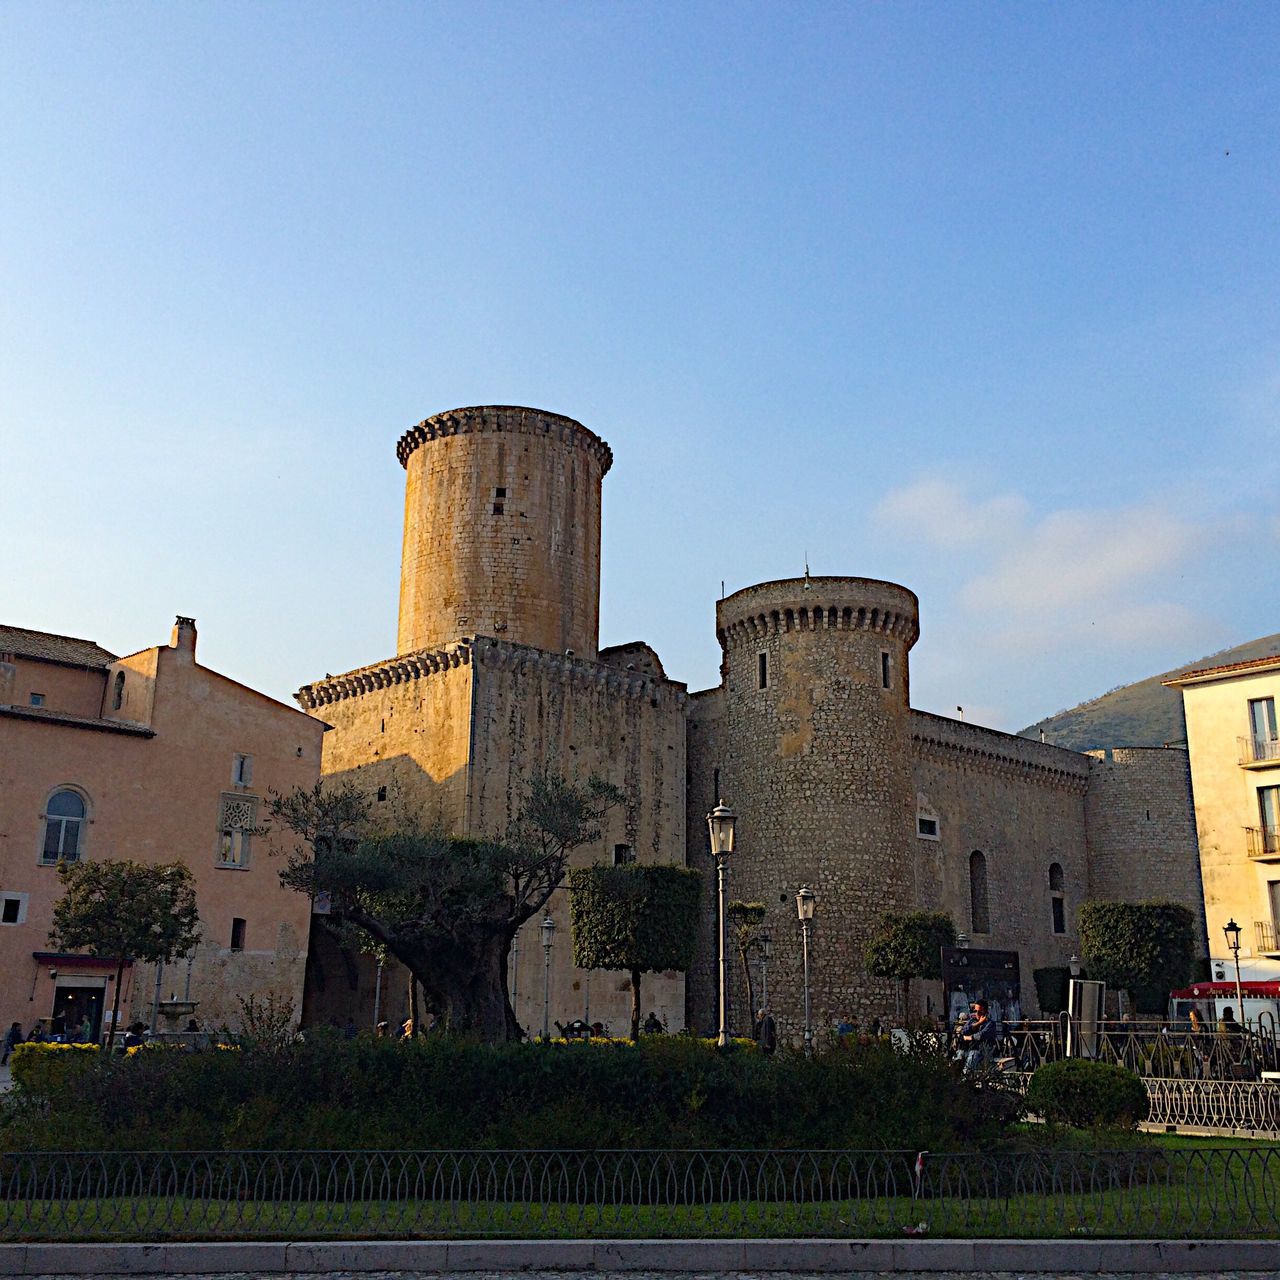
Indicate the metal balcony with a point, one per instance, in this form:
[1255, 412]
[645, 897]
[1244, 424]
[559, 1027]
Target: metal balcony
[1265, 932]
[1259, 753]
[1263, 843]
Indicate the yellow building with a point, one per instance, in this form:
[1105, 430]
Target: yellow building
[1235, 777]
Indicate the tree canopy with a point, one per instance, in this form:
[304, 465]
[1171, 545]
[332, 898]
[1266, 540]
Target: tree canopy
[909, 946]
[639, 918]
[1144, 948]
[124, 911]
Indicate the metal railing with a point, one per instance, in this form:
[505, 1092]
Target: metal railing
[1219, 1106]
[1255, 750]
[1262, 842]
[1151, 1049]
[1265, 935]
[583, 1194]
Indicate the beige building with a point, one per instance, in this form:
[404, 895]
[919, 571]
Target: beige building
[838, 782]
[154, 758]
[1235, 772]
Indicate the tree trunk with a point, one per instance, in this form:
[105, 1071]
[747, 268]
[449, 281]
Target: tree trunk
[115, 1005]
[906, 1000]
[413, 1003]
[635, 1005]
[468, 988]
[751, 991]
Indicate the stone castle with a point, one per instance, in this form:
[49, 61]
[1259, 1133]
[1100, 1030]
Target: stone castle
[838, 783]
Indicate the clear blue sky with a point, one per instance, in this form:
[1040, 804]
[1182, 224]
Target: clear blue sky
[984, 299]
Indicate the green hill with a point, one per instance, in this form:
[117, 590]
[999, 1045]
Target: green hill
[1143, 714]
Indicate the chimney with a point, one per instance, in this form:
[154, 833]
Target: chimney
[184, 635]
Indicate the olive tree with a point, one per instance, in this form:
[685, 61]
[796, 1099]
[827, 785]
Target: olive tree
[447, 908]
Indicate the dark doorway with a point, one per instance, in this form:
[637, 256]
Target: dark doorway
[71, 1006]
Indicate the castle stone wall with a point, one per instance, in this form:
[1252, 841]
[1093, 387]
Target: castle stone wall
[501, 530]
[1142, 829]
[536, 711]
[1019, 803]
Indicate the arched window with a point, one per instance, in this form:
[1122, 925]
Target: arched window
[63, 818]
[979, 919]
[117, 693]
[1057, 902]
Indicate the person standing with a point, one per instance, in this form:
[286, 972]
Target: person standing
[766, 1032]
[978, 1038]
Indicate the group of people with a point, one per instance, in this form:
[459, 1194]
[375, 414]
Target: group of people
[80, 1034]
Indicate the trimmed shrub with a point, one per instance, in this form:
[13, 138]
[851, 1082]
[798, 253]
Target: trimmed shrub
[1052, 988]
[451, 1093]
[43, 1070]
[1087, 1095]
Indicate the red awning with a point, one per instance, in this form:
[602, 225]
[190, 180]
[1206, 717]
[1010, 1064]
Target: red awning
[1214, 990]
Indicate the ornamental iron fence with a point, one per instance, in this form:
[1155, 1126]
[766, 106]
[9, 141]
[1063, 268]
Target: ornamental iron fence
[1138, 1193]
[1153, 1050]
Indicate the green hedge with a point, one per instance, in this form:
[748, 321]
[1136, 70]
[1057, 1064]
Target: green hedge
[441, 1092]
[1087, 1095]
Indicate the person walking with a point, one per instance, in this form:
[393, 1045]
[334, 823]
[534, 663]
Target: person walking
[766, 1032]
[12, 1039]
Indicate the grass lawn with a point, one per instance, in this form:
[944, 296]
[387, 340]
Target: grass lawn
[1210, 1188]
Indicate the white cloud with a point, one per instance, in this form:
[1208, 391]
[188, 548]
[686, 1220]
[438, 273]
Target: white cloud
[941, 512]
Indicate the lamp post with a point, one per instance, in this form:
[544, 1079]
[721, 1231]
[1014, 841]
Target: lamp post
[805, 899]
[720, 824]
[766, 951]
[1232, 930]
[548, 936]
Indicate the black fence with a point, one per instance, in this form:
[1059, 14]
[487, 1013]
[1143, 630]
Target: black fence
[1139, 1193]
[1155, 1050]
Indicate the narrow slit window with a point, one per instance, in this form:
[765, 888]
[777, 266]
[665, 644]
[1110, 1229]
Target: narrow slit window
[762, 671]
[884, 669]
[237, 934]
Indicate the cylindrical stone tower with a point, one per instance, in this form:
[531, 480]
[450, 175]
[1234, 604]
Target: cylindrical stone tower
[816, 761]
[501, 529]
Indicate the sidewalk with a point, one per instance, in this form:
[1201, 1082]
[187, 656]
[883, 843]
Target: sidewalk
[602, 1257]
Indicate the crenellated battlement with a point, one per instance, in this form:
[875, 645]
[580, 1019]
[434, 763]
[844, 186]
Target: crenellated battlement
[513, 419]
[817, 604]
[489, 651]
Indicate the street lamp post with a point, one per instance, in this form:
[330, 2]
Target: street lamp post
[720, 824]
[1232, 930]
[548, 936]
[766, 951]
[805, 899]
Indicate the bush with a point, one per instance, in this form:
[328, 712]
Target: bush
[444, 1092]
[43, 1070]
[1087, 1095]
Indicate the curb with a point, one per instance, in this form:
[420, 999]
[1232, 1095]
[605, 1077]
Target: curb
[1204, 1257]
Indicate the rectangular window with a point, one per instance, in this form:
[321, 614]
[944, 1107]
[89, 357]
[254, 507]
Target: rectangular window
[927, 827]
[242, 771]
[237, 819]
[13, 908]
[237, 934]
[1059, 916]
[500, 491]
[382, 794]
[1262, 728]
[884, 669]
[1269, 809]
[498, 508]
[623, 855]
[762, 671]
[37, 699]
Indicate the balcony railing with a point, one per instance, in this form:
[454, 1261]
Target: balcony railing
[1259, 750]
[1263, 842]
[1266, 934]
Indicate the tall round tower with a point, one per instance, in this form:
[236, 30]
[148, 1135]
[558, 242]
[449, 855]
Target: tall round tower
[501, 529]
[816, 760]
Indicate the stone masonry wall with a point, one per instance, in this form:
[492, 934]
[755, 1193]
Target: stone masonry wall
[1141, 828]
[1021, 805]
[501, 530]
[703, 734]
[536, 710]
[816, 765]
